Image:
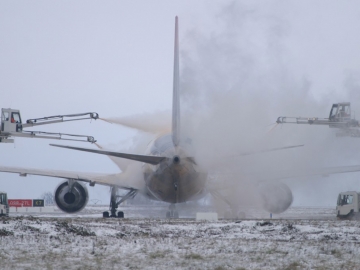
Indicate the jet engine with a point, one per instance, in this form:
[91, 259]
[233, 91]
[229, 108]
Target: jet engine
[71, 196]
[276, 197]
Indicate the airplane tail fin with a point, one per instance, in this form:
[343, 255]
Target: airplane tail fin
[176, 91]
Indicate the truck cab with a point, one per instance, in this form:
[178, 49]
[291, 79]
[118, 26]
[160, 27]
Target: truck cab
[347, 205]
[340, 112]
[10, 120]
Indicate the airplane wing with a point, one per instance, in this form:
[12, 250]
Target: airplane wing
[120, 180]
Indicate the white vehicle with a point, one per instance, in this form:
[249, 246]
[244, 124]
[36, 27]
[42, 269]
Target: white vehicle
[341, 118]
[4, 206]
[348, 205]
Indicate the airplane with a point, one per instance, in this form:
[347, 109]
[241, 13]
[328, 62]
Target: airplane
[169, 172]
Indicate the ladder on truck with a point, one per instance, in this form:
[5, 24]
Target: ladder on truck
[12, 126]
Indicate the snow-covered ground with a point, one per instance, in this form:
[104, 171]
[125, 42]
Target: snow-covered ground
[86, 242]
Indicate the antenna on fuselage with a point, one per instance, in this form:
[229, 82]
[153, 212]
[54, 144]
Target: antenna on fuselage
[176, 91]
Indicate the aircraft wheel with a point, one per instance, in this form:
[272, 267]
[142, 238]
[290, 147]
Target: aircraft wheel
[120, 214]
[105, 214]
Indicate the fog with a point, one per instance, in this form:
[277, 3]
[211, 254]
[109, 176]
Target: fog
[155, 123]
[257, 65]
[243, 64]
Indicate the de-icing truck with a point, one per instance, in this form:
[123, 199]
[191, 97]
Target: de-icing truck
[13, 126]
[348, 205]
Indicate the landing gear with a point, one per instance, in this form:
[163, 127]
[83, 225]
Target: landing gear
[115, 200]
[172, 213]
[113, 205]
[120, 214]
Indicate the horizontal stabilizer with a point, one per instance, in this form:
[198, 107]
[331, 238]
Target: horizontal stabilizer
[154, 160]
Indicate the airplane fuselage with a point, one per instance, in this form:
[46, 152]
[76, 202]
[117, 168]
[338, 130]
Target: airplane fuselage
[177, 178]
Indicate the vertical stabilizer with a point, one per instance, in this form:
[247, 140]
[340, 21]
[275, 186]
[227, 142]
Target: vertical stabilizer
[176, 92]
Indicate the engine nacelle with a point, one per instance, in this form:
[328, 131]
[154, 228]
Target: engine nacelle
[276, 197]
[71, 201]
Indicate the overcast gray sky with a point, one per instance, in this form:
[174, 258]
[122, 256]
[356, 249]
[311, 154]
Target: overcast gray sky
[116, 58]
